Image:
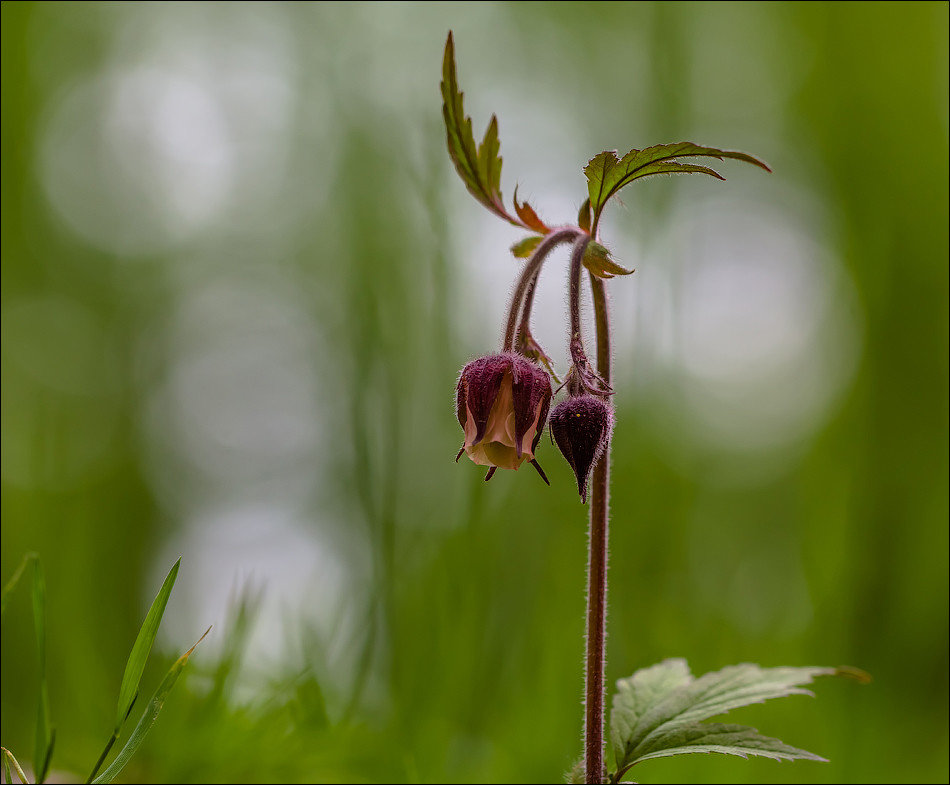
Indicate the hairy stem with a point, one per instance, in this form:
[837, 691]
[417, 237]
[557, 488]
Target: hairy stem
[531, 269]
[524, 325]
[574, 282]
[597, 567]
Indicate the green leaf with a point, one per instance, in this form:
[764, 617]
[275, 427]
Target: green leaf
[480, 169]
[149, 716]
[658, 711]
[12, 583]
[44, 733]
[597, 260]
[607, 174]
[583, 216]
[738, 740]
[525, 246]
[141, 648]
[7, 760]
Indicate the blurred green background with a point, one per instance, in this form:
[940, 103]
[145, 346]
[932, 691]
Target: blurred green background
[239, 278]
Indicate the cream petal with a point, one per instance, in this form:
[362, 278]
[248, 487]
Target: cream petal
[498, 446]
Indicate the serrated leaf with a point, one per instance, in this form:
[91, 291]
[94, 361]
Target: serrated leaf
[528, 216]
[44, 733]
[489, 162]
[148, 717]
[525, 246]
[607, 173]
[479, 169]
[738, 740]
[135, 665]
[647, 687]
[660, 708]
[14, 580]
[597, 260]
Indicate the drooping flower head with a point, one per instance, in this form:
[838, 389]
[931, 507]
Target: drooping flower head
[502, 405]
[581, 427]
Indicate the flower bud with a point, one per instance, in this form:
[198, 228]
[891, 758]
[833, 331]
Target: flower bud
[502, 405]
[581, 427]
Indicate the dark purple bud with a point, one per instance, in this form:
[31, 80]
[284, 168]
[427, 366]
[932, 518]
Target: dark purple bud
[581, 428]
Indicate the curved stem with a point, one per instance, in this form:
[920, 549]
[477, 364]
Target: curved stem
[524, 326]
[577, 257]
[597, 566]
[531, 269]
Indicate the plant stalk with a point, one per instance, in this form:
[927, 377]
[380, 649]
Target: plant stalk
[102, 757]
[551, 240]
[597, 567]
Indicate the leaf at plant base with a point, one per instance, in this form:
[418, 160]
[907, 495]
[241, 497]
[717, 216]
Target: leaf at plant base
[44, 733]
[635, 695]
[7, 760]
[142, 646]
[597, 260]
[12, 583]
[148, 717]
[653, 707]
[528, 216]
[738, 740]
[525, 246]
[577, 774]
[607, 174]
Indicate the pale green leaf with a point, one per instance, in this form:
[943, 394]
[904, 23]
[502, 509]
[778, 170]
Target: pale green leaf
[525, 246]
[142, 646]
[660, 708]
[597, 259]
[148, 717]
[738, 740]
[7, 760]
[647, 687]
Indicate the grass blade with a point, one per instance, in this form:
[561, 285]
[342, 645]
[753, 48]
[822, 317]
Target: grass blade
[7, 759]
[11, 584]
[44, 734]
[141, 648]
[148, 717]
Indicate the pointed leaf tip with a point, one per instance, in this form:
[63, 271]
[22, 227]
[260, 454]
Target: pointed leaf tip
[135, 665]
[598, 261]
[659, 711]
[479, 167]
[607, 173]
[528, 215]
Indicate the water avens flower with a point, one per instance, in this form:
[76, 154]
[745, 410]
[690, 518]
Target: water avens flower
[502, 405]
[581, 427]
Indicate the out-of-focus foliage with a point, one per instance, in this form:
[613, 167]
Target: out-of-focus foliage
[239, 277]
